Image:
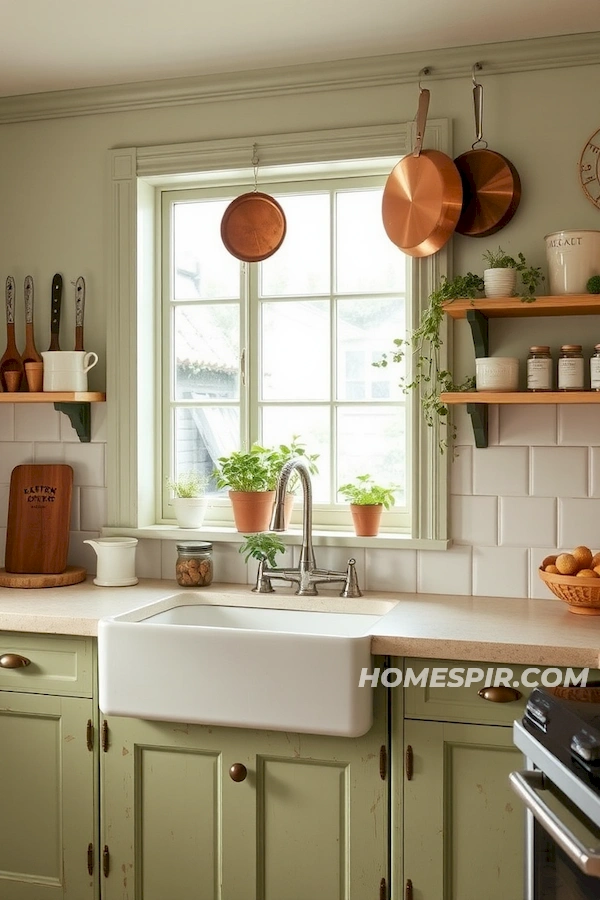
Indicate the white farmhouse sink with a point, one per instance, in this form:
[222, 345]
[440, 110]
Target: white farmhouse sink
[222, 662]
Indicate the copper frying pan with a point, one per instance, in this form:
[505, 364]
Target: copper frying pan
[491, 184]
[422, 198]
[253, 226]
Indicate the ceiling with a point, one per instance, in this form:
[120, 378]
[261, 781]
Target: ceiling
[49, 46]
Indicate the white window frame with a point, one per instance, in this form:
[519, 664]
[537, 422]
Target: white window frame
[136, 176]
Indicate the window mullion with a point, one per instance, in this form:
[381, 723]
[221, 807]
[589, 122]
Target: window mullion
[251, 312]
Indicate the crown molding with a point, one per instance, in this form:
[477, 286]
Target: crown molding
[348, 74]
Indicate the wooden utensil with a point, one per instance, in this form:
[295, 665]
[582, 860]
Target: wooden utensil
[79, 309]
[11, 360]
[491, 184]
[57, 285]
[39, 515]
[30, 353]
[422, 198]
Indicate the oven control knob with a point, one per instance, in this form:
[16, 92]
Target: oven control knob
[586, 747]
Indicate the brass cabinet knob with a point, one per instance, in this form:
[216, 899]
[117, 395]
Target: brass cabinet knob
[500, 694]
[13, 661]
[238, 772]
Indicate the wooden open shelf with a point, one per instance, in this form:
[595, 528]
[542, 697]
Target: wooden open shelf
[531, 397]
[52, 397]
[565, 305]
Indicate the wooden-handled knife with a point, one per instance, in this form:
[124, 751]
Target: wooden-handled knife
[79, 308]
[57, 285]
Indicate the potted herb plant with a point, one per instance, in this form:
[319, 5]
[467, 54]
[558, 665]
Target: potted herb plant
[500, 277]
[189, 500]
[250, 476]
[262, 546]
[367, 502]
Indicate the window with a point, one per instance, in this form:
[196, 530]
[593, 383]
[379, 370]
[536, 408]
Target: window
[266, 351]
[288, 344]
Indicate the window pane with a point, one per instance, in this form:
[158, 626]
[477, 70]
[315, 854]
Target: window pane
[364, 332]
[371, 440]
[366, 258]
[295, 350]
[311, 425]
[207, 351]
[301, 265]
[203, 267]
[202, 434]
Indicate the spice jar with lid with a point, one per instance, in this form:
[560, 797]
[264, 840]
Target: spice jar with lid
[570, 368]
[194, 566]
[539, 369]
[595, 369]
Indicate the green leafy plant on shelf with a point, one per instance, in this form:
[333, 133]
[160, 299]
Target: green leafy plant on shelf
[246, 471]
[262, 546]
[429, 379]
[363, 491]
[187, 485]
[531, 276]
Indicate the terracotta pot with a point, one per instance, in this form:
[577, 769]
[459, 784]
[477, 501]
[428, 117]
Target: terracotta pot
[366, 519]
[252, 510]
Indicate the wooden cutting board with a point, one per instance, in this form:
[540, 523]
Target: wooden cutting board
[39, 515]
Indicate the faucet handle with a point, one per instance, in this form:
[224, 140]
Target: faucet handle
[263, 582]
[351, 588]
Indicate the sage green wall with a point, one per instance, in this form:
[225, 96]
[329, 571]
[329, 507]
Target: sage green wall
[53, 185]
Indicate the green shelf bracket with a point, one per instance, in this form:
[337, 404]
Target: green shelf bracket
[80, 416]
[480, 331]
[479, 421]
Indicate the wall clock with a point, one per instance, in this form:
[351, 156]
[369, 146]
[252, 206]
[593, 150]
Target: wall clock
[589, 169]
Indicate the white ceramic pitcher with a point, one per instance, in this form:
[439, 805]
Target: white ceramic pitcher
[116, 561]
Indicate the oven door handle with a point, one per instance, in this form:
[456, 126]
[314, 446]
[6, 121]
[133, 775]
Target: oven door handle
[526, 785]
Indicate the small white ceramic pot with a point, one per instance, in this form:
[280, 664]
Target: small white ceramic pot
[189, 511]
[499, 282]
[497, 373]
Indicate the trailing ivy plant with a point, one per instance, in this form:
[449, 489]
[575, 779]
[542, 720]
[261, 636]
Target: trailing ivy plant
[429, 379]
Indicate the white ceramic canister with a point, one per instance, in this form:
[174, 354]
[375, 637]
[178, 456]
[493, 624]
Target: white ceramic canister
[497, 373]
[116, 561]
[573, 257]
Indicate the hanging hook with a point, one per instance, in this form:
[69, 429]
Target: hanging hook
[255, 162]
[425, 71]
[477, 67]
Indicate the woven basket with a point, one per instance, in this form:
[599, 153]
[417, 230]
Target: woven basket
[582, 595]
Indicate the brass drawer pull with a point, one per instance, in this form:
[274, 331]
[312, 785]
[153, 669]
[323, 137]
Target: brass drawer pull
[500, 694]
[238, 772]
[13, 661]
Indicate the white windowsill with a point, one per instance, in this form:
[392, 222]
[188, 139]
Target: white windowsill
[321, 538]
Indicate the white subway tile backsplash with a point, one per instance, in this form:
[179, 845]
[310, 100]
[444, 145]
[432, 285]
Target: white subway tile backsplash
[88, 463]
[578, 425]
[461, 470]
[527, 520]
[390, 570]
[228, 564]
[336, 559]
[500, 572]
[594, 471]
[7, 422]
[537, 588]
[93, 508]
[445, 571]
[75, 523]
[13, 454]
[36, 422]
[527, 425]
[578, 523]
[168, 559]
[502, 471]
[81, 554]
[3, 503]
[2, 545]
[559, 471]
[49, 452]
[474, 520]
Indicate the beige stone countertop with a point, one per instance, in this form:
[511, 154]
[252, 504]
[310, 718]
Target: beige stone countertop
[490, 629]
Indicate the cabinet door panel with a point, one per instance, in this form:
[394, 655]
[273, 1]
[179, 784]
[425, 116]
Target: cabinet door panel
[47, 791]
[464, 829]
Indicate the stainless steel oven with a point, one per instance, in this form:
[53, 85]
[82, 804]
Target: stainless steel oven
[560, 788]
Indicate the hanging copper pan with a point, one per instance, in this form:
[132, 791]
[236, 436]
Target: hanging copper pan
[422, 199]
[491, 184]
[253, 226]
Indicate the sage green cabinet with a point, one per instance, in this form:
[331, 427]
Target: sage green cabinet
[48, 781]
[308, 820]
